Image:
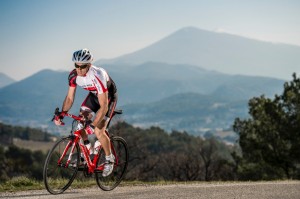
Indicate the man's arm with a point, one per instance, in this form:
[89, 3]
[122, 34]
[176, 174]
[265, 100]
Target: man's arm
[103, 101]
[68, 102]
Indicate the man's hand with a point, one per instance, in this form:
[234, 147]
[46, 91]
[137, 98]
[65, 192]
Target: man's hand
[58, 118]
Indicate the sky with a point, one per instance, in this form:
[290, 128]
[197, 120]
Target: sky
[43, 34]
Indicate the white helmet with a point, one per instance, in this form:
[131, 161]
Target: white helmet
[82, 56]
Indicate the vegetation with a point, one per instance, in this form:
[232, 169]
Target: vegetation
[270, 139]
[16, 162]
[7, 132]
[156, 155]
[20, 183]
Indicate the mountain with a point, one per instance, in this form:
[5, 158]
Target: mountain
[5, 80]
[32, 101]
[241, 87]
[153, 81]
[191, 112]
[221, 52]
[180, 82]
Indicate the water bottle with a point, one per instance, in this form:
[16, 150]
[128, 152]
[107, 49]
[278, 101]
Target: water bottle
[96, 147]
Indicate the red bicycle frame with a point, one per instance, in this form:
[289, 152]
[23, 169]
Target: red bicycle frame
[76, 139]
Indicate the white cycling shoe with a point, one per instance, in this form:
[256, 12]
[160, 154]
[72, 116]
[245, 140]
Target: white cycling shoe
[109, 166]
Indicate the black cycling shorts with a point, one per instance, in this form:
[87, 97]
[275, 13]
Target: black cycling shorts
[91, 102]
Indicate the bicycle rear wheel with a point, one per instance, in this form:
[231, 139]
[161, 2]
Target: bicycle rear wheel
[58, 177]
[120, 151]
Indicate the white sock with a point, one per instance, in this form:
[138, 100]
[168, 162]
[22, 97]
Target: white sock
[109, 157]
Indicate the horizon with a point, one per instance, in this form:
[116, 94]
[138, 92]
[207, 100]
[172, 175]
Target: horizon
[40, 34]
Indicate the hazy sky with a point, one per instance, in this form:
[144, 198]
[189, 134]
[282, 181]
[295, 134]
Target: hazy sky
[39, 34]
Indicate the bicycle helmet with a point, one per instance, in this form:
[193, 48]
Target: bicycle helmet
[82, 56]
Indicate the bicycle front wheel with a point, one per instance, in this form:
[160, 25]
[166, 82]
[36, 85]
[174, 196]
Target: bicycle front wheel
[57, 175]
[120, 151]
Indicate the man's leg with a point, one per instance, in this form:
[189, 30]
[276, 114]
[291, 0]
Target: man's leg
[102, 137]
[100, 131]
[105, 142]
[87, 113]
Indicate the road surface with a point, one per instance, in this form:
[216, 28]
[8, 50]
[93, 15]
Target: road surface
[222, 190]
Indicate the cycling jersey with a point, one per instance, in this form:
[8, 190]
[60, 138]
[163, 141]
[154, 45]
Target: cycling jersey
[96, 81]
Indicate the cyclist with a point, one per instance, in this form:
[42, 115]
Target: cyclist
[99, 103]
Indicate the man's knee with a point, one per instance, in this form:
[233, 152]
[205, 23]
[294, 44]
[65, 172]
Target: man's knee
[86, 113]
[102, 125]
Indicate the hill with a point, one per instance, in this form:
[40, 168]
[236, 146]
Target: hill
[9, 134]
[5, 80]
[31, 102]
[195, 113]
[218, 51]
[153, 81]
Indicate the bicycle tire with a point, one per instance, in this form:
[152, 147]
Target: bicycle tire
[58, 178]
[114, 179]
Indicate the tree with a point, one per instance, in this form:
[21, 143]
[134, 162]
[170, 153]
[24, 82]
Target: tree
[157, 155]
[3, 166]
[270, 139]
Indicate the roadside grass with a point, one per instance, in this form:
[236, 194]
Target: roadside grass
[20, 184]
[24, 184]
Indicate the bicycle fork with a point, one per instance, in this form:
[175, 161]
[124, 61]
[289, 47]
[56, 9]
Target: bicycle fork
[73, 143]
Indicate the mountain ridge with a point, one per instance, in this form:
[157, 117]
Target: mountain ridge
[41, 93]
[214, 97]
[194, 113]
[5, 80]
[220, 52]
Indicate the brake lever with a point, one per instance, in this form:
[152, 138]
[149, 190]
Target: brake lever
[56, 113]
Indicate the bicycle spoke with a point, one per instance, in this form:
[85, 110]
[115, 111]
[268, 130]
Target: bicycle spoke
[57, 177]
[121, 154]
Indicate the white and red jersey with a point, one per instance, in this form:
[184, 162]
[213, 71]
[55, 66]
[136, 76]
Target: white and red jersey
[96, 80]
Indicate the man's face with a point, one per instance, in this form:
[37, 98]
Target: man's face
[82, 69]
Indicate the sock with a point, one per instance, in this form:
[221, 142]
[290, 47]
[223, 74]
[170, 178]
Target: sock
[109, 157]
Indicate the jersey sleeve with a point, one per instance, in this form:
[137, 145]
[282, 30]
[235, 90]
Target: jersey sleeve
[72, 78]
[100, 81]
[100, 85]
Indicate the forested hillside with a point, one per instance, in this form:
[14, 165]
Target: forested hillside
[156, 155]
[8, 132]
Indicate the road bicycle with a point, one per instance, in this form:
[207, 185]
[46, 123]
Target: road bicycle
[64, 159]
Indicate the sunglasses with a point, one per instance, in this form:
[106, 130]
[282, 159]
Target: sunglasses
[83, 66]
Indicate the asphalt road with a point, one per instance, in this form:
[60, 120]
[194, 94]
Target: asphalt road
[233, 190]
